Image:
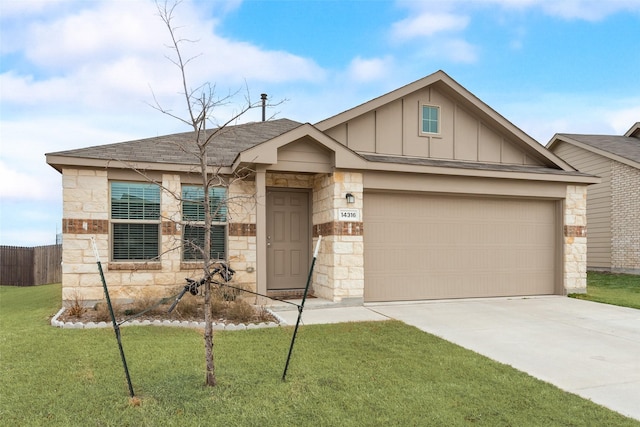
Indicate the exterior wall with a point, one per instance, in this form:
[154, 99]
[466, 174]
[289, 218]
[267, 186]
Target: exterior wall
[241, 241]
[86, 215]
[599, 202]
[339, 270]
[625, 219]
[575, 240]
[339, 273]
[393, 129]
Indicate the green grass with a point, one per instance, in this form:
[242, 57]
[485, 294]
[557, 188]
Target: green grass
[352, 374]
[616, 289]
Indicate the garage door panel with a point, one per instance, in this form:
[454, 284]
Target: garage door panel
[430, 247]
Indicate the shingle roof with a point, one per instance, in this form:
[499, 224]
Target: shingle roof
[623, 146]
[469, 165]
[180, 148]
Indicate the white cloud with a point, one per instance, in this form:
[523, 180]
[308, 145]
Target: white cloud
[589, 10]
[13, 8]
[428, 24]
[459, 50]
[545, 114]
[369, 70]
[19, 185]
[622, 119]
[108, 51]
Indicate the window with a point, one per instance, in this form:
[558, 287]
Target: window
[135, 221]
[430, 119]
[193, 216]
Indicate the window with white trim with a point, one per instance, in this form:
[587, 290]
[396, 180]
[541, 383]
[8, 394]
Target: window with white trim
[193, 218]
[135, 221]
[430, 120]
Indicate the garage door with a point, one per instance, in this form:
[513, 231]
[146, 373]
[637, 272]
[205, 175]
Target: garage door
[432, 247]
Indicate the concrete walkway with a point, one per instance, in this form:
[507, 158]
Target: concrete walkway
[586, 348]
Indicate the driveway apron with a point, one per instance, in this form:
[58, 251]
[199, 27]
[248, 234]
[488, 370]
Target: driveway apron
[586, 348]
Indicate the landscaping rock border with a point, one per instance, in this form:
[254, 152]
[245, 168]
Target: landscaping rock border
[175, 323]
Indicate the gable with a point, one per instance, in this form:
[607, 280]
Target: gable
[634, 131]
[394, 129]
[470, 131]
[622, 149]
[304, 155]
[303, 149]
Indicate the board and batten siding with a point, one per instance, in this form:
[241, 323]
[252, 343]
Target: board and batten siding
[599, 202]
[393, 129]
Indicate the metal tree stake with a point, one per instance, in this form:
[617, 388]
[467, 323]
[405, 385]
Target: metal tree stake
[116, 327]
[301, 307]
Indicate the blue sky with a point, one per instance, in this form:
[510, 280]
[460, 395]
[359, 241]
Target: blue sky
[77, 73]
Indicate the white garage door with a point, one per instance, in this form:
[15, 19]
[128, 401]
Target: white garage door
[433, 247]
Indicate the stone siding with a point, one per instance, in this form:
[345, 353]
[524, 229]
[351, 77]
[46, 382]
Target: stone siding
[575, 240]
[339, 271]
[625, 219]
[86, 216]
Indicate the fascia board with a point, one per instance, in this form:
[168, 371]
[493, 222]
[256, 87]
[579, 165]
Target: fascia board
[60, 162]
[267, 152]
[522, 175]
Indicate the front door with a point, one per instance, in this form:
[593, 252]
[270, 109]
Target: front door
[288, 234]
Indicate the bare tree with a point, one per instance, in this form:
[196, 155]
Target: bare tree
[200, 105]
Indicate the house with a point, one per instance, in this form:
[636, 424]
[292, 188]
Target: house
[422, 193]
[613, 205]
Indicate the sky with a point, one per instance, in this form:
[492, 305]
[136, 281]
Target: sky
[79, 73]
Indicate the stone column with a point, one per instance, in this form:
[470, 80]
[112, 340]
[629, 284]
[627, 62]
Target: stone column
[339, 273]
[575, 239]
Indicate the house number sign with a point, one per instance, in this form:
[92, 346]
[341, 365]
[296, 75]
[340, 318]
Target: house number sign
[349, 214]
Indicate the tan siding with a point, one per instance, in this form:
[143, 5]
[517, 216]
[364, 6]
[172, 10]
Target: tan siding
[466, 136]
[489, 145]
[511, 154]
[394, 129]
[389, 128]
[598, 202]
[361, 133]
[421, 246]
[304, 156]
[339, 133]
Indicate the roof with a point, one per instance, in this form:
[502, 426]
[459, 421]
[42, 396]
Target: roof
[624, 149]
[471, 165]
[179, 149]
[634, 130]
[235, 147]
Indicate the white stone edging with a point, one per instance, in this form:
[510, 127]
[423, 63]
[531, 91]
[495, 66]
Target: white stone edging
[176, 323]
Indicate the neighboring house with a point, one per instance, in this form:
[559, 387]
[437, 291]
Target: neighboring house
[422, 193]
[613, 205]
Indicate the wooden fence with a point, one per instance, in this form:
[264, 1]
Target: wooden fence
[40, 265]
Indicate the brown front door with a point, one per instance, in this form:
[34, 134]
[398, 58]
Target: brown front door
[288, 234]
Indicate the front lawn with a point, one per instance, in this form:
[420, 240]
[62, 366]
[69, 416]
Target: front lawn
[352, 374]
[616, 289]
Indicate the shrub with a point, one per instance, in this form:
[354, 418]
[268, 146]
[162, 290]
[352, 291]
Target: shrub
[77, 307]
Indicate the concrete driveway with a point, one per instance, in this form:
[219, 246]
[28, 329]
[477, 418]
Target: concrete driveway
[586, 348]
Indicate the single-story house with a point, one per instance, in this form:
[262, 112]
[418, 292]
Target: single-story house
[422, 193]
[613, 205]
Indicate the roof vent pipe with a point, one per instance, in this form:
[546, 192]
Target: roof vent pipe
[263, 96]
